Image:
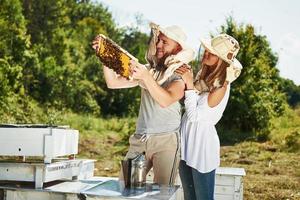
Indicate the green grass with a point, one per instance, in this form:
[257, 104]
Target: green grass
[286, 131]
[270, 172]
[272, 168]
[105, 140]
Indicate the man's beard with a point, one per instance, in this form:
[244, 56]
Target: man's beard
[161, 62]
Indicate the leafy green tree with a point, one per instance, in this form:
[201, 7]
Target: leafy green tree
[5, 88]
[15, 57]
[14, 43]
[87, 21]
[56, 77]
[47, 23]
[292, 92]
[255, 96]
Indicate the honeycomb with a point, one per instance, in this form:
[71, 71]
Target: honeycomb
[114, 57]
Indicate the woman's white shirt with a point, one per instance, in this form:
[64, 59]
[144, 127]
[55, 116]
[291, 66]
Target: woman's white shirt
[200, 145]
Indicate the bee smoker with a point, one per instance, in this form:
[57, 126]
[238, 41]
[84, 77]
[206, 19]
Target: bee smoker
[134, 171]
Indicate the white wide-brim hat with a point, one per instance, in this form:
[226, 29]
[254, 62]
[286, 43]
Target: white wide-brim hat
[173, 32]
[172, 62]
[225, 47]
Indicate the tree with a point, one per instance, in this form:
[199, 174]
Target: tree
[255, 96]
[61, 46]
[15, 57]
[292, 92]
[14, 43]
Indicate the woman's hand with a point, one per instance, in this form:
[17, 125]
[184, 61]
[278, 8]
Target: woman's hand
[139, 71]
[186, 74]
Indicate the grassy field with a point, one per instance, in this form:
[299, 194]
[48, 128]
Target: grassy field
[270, 173]
[272, 167]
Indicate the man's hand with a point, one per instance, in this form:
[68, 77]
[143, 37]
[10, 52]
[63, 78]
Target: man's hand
[186, 74]
[139, 71]
[95, 44]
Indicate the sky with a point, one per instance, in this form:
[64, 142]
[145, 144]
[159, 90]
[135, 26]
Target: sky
[278, 20]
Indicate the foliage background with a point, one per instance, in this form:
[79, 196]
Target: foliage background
[46, 62]
[49, 74]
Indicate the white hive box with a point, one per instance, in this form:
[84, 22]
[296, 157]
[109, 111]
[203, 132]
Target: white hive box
[43, 141]
[229, 183]
[41, 173]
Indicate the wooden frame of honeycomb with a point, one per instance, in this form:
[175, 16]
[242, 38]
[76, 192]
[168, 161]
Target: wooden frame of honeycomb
[114, 57]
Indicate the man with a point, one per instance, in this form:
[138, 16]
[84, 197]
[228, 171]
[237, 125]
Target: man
[159, 116]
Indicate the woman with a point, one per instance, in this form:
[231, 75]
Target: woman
[205, 101]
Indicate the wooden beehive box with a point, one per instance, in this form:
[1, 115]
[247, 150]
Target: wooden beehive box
[229, 183]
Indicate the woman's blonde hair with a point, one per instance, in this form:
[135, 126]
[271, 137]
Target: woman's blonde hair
[212, 77]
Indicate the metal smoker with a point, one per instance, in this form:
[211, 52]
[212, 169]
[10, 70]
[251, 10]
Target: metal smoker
[135, 171]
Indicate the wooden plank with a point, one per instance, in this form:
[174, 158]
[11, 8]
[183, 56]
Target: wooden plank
[231, 171]
[224, 180]
[223, 197]
[237, 187]
[226, 190]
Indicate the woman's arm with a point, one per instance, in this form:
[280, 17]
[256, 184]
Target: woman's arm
[192, 106]
[191, 97]
[216, 96]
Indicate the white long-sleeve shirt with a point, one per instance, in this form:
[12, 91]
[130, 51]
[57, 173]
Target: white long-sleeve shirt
[200, 145]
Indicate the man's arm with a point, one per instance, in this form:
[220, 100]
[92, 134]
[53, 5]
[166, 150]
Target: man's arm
[113, 81]
[163, 96]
